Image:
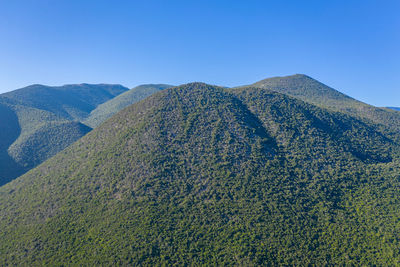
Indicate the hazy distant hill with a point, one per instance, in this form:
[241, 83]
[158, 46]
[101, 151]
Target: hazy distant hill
[38, 121]
[202, 175]
[109, 108]
[74, 101]
[394, 108]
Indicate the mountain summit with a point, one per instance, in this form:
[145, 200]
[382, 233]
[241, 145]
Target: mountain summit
[305, 88]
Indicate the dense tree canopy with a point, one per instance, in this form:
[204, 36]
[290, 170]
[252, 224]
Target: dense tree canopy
[203, 175]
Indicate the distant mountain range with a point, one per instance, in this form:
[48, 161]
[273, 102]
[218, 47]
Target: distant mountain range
[286, 171]
[38, 121]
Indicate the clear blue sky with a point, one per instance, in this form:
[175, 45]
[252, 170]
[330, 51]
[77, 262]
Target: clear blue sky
[353, 46]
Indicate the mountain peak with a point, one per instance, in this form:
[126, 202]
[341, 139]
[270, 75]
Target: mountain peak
[289, 78]
[195, 85]
[305, 88]
[297, 75]
[200, 86]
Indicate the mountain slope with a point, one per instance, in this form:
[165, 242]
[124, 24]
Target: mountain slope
[30, 150]
[312, 91]
[109, 108]
[40, 121]
[200, 175]
[299, 126]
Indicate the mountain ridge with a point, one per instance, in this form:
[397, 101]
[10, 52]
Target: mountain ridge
[73, 101]
[310, 90]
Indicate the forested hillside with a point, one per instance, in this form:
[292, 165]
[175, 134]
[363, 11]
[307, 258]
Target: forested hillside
[38, 121]
[203, 175]
[310, 90]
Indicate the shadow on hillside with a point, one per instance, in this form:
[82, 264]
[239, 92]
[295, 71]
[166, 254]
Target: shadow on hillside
[9, 132]
[9, 169]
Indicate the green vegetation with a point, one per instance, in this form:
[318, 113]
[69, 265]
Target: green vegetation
[31, 150]
[38, 121]
[314, 92]
[306, 88]
[109, 108]
[202, 175]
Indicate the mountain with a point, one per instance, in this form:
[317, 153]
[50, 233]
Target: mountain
[109, 108]
[310, 90]
[202, 175]
[394, 108]
[38, 121]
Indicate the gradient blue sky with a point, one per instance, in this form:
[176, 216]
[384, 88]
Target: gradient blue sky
[353, 46]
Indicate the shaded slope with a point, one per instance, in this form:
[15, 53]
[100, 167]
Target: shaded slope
[196, 175]
[46, 141]
[109, 108]
[9, 132]
[317, 93]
